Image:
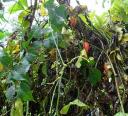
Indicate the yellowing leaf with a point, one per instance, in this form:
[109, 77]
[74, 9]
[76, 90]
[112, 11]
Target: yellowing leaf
[119, 57]
[43, 11]
[125, 38]
[16, 49]
[1, 67]
[82, 54]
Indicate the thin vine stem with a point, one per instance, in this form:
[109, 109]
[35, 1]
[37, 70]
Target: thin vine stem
[58, 49]
[50, 110]
[117, 86]
[27, 108]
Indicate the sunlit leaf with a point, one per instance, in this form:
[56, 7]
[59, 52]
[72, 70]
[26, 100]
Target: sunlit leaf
[23, 15]
[15, 7]
[19, 5]
[121, 114]
[83, 54]
[24, 3]
[43, 11]
[125, 38]
[3, 34]
[16, 49]
[119, 57]
[119, 10]
[83, 18]
[17, 108]
[76, 102]
[91, 61]
[65, 109]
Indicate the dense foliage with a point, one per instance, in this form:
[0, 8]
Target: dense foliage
[61, 60]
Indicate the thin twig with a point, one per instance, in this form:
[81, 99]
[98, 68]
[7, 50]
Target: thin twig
[33, 14]
[116, 83]
[27, 108]
[98, 59]
[50, 110]
[58, 49]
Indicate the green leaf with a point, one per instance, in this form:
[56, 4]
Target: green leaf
[57, 16]
[61, 12]
[5, 59]
[119, 10]
[121, 114]
[22, 68]
[30, 57]
[25, 65]
[19, 5]
[14, 75]
[91, 61]
[24, 3]
[94, 76]
[49, 42]
[63, 43]
[15, 7]
[25, 24]
[10, 92]
[24, 92]
[2, 34]
[37, 31]
[78, 63]
[76, 102]
[48, 3]
[23, 19]
[83, 18]
[37, 44]
[22, 15]
[65, 109]
[17, 108]
[44, 69]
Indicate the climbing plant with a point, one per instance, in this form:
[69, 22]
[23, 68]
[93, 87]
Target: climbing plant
[61, 60]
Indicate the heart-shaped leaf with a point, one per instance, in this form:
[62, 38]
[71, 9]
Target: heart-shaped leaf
[94, 76]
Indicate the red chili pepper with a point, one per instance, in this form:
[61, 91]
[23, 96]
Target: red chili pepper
[86, 46]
